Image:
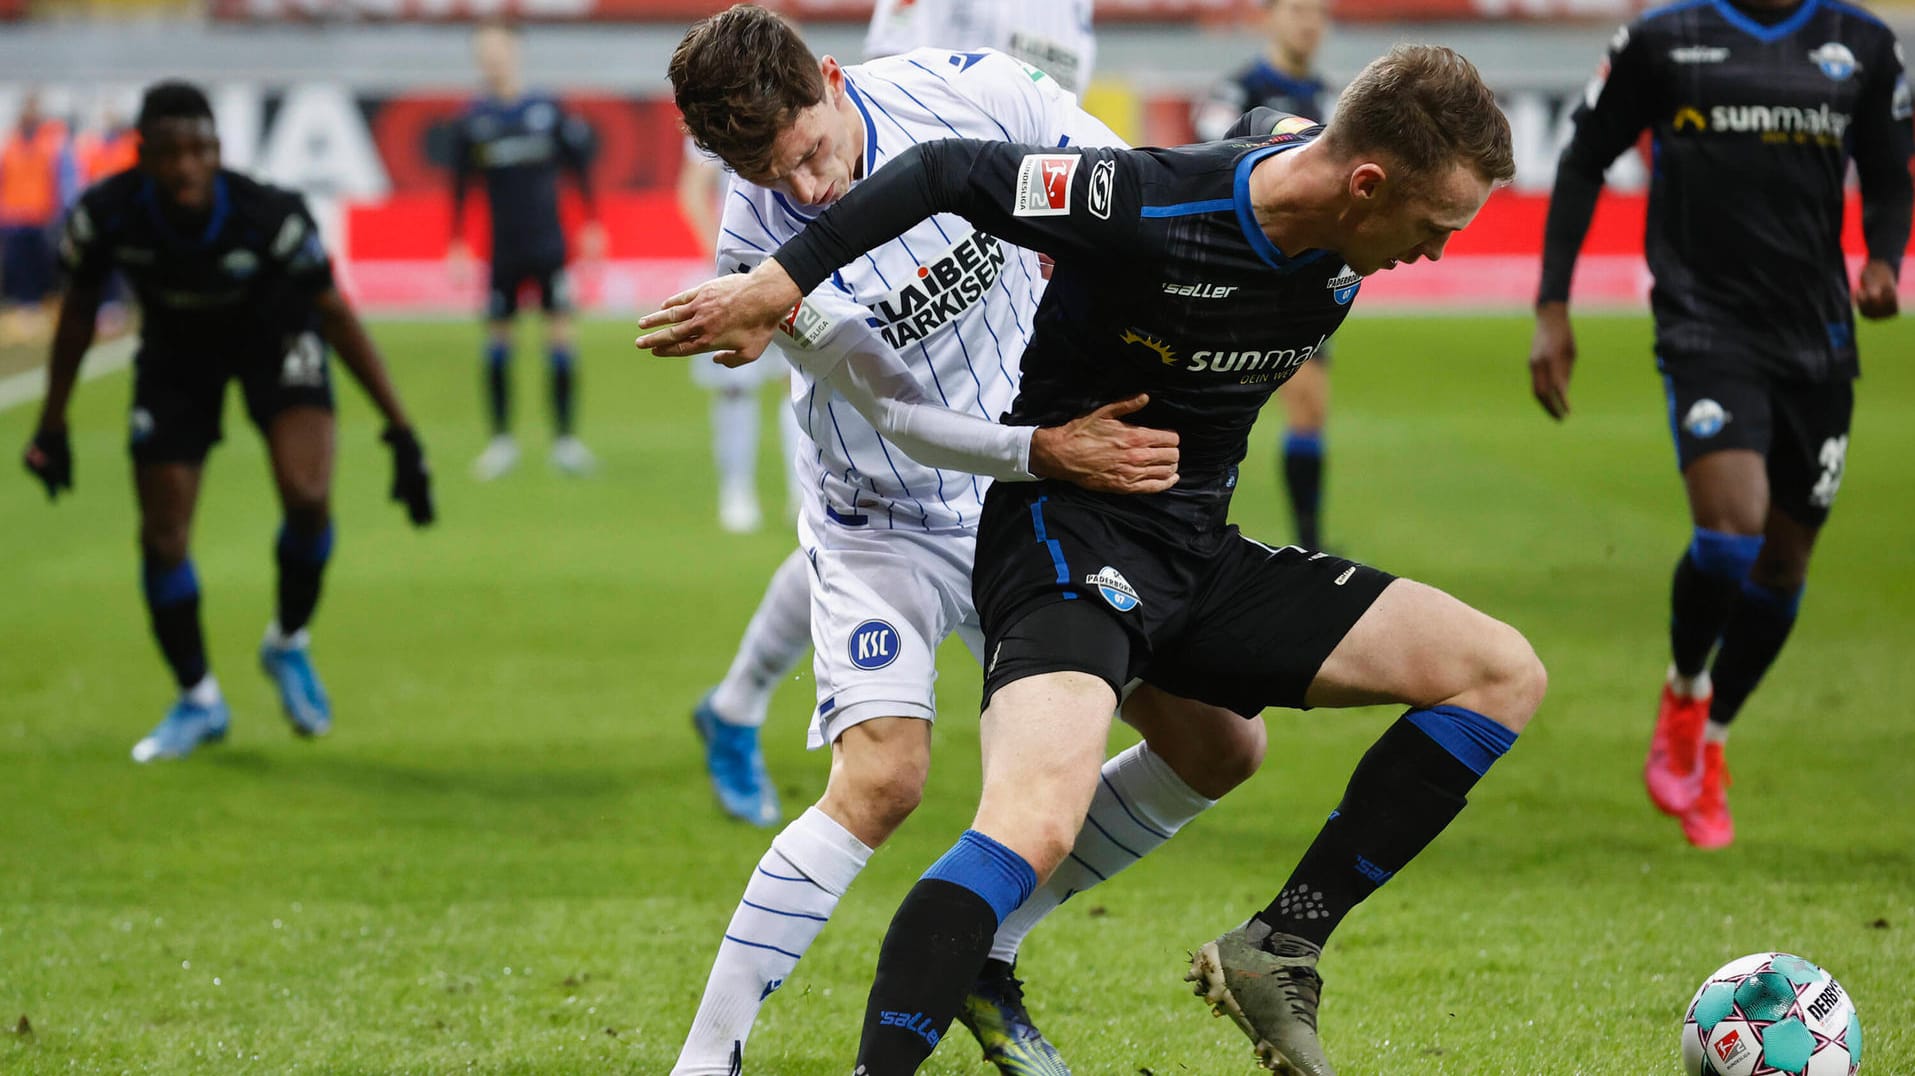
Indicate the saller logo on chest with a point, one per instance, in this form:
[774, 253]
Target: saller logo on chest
[941, 290]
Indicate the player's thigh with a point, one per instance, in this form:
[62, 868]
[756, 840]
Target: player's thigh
[1263, 623]
[503, 280]
[301, 442]
[558, 298]
[176, 412]
[288, 390]
[1418, 646]
[1212, 748]
[1043, 740]
[881, 602]
[1722, 426]
[1306, 398]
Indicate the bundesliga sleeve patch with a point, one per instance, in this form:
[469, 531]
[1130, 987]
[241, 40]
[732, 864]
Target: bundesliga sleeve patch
[1044, 185]
[805, 325]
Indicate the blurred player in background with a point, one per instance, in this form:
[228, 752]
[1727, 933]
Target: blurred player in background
[1285, 78]
[1757, 111]
[519, 142]
[38, 179]
[234, 284]
[936, 317]
[735, 406]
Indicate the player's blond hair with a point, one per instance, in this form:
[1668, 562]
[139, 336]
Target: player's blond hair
[740, 77]
[1427, 107]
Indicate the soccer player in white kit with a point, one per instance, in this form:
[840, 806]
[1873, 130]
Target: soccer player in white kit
[1053, 36]
[940, 315]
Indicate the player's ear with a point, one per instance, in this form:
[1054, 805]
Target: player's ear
[1366, 181]
[833, 72]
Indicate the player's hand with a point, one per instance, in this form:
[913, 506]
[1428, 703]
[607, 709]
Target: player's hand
[411, 479]
[50, 459]
[460, 266]
[591, 241]
[1552, 354]
[1875, 296]
[733, 315]
[1101, 451]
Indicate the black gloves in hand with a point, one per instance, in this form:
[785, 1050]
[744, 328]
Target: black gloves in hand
[411, 481]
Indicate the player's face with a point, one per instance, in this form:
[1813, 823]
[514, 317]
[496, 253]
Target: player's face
[182, 156]
[498, 54]
[814, 159]
[1297, 26]
[1395, 227]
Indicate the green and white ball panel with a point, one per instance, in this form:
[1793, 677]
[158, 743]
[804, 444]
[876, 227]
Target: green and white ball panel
[1771, 1014]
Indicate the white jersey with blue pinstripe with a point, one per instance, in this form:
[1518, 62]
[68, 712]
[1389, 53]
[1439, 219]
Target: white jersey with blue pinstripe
[1053, 36]
[955, 304]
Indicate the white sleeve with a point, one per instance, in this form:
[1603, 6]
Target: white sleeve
[1031, 105]
[862, 369]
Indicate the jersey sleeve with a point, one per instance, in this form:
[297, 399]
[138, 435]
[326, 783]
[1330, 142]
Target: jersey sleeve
[298, 251]
[1882, 147]
[84, 252]
[576, 146]
[1030, 105]
[462, 170]
[1072, 203]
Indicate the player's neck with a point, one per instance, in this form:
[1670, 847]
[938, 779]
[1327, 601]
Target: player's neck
[1293, 199]
[1287, 61]
[506, 93]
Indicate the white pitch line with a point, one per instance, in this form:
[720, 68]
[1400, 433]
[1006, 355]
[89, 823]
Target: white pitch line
[107, 358]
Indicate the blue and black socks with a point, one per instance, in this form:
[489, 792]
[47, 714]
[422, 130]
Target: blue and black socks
[1303, 481]
[564, 367]
[1411, 783]
[1708, 578]
[498, 385]
[172, 602]
[934, 950]
[302, 554]
[1750, 644]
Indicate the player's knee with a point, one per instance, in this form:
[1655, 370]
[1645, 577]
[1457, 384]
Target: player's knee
[883, 791]
[1225, 756]
[307, 512]
[163, 543]
[1512, 679]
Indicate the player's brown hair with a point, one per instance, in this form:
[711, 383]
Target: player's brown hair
[1426, 106]
[739, 78]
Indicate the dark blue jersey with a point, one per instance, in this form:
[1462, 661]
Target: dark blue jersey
[1755, 117]
[1164, 284]
[1258, 85]
[519, 148]
[246, 271]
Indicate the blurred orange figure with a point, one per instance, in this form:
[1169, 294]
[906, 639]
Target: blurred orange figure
[37, 180]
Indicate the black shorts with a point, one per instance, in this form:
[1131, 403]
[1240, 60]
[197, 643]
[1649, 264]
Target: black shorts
[510, 276]
[178, 397]
[1800, 427]
[27, 264]
[1063, 583]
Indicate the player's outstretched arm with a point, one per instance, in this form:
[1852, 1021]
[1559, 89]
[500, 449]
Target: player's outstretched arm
[49, 456]
[411, 480]
[1883, 143]
[733, 315]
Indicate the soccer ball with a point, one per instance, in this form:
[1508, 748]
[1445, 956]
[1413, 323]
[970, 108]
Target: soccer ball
[1771, 1013]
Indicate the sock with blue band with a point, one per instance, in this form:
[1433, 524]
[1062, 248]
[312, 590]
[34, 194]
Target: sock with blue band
[935, 947]
[1303, 481]
[1757, 628]
[564, 369]
[498, 385]
[1708, 577]
[1411, 783]
[172, 602]
[301, 556]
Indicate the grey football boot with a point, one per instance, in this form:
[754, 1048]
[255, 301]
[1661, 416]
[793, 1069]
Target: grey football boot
[1271, 995]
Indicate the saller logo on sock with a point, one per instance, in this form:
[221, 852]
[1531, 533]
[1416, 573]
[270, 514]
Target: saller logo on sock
[1114, 587]
[914, 1022]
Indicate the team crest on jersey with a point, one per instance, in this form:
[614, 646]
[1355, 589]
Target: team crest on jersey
[1705, 419]
[1115, 588]
[873, 645]
[941, 290]
[1103, 175]
[240, 264]
[1144, 339]
[1044, 185]
[1343, 286]
[1835, 60]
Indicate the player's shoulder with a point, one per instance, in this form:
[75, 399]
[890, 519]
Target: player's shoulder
[269, 214]
[113, 193]
[958, 69]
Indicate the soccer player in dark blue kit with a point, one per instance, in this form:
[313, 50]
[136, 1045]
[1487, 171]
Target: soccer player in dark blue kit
[1203, 276]
[518, 142]
[234, 285]
[1285, 79]
[1756, 111]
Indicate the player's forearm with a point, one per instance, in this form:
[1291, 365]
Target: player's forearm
[343, 330]
[1888, 208]
[72, 338]
[1572, 205]
[924, 180]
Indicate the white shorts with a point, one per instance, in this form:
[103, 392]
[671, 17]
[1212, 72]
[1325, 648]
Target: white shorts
[881, 602]
[769, 369]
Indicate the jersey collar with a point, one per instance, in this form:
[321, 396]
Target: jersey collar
[1768, 35]
[1247, 220]
[215, 220]
[870, 161]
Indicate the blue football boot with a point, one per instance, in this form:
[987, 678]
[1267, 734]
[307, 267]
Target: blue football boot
[187, 725]
[290, 667]
[995, 1013]
[737, 767]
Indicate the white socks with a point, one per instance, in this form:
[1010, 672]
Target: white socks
[734, 439]
[204, 693]
[1691, 687]
[778, 635]
[1140, 804]
[791, 894]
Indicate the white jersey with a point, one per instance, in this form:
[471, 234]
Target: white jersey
[955, 304]
[1053, 36]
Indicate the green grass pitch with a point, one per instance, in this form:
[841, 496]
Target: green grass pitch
[506, 858]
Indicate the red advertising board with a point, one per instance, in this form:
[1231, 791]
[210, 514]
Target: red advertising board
[1200, 11]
